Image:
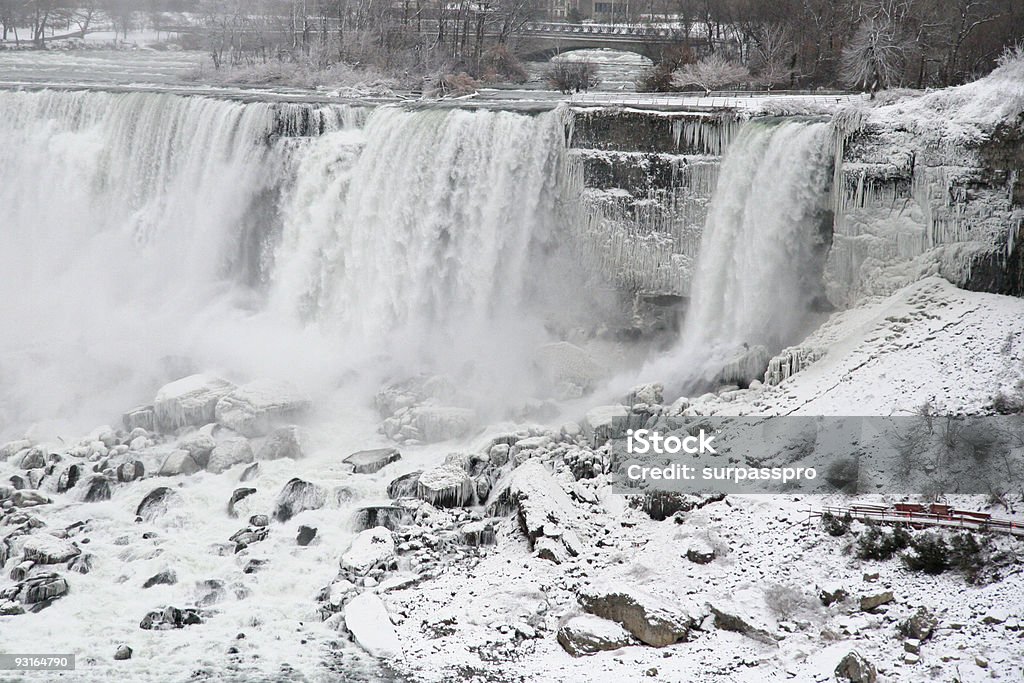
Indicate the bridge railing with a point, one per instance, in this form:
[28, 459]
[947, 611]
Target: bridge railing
[637, 31]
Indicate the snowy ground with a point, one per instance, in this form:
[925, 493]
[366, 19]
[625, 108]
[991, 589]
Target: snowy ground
[492, 614]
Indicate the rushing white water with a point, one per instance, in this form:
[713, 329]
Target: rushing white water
[442, 244]
[146, 235]
[759, 269]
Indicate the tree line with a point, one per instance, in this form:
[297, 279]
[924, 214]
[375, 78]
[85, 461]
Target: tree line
[862, 44]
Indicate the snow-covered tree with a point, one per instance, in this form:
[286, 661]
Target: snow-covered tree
[712, 72]
[876, 56]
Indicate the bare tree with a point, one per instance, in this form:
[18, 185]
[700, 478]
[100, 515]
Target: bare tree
[876, 56]
[773, 55]
[712, 72]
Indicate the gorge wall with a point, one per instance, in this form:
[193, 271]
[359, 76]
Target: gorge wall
[903, 208]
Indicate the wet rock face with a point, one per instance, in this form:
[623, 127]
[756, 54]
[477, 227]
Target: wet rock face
[41, 590]
[296, 496]
[97, 489]
[305, 535]
[387, 516]
[164, 578]
[155, 503]
[404, 486]
[237, 495]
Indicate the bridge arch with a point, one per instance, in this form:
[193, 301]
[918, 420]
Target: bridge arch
[549, 52]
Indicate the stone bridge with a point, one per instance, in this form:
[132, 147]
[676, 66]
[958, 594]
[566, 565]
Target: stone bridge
[540, 41]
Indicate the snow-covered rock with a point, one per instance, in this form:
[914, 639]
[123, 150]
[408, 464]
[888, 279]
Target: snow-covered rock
[369, 549]
[177, 462]
[855, 668]
[367, 619]
[446, 486]
[373, 460]
[651, 619]
[190, 400]
[199, 445]
[586, 634]
[734, 615]
[254, 409]
[545, 511]
[605, 422]
[229, 453]
[47, 549]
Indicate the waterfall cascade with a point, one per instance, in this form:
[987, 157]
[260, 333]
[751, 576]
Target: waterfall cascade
[761, 256]
[147, 235]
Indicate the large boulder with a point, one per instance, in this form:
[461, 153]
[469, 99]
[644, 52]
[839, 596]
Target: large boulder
[237, 495]
[156, 503]
[41, 590]
[741, 618]
[404, 486]
[296, 496]
[373, 460]
[47, 549]
[586, 634]
[143, 417]
[199, 445]
[254, 409]
[872, 602]
[388, 516]
[545, 512]
[229, 453]
[446, 486]
[649, 618]
[191, 400]
[367, 620]
[283, 442]
[855, 668]
[177, 462]
[96, 488]
[919, 626]
[370, 550]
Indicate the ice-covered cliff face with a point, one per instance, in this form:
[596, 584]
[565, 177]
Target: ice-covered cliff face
[907, 208]
[148, 235]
